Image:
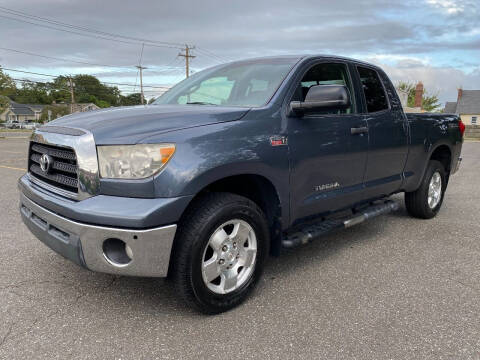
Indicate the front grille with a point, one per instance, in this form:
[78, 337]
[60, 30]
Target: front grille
[62, 172]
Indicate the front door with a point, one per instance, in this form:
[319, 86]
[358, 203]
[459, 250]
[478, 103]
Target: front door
[327, 158]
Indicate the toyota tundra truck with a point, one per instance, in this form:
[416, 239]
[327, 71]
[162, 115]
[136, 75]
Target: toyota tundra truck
[230, 165]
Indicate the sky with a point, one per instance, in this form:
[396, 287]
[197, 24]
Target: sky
[433, 41]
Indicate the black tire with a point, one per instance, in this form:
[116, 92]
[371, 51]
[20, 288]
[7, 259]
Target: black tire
[199, 223]
[416, 202]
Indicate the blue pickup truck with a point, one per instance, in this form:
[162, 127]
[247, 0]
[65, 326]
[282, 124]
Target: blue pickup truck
[232, 164]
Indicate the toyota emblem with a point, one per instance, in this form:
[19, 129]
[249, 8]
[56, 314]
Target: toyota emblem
[45, 163]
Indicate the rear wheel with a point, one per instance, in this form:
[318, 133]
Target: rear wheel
[219, 252]
[427, 200]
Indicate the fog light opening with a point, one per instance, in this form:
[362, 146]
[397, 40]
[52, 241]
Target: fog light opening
[117, 252]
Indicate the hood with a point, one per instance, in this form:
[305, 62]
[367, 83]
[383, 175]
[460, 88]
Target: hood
[128, 125]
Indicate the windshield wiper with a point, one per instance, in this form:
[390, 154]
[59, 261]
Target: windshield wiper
[200, 103]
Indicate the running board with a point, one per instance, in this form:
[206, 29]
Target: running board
[312, 231]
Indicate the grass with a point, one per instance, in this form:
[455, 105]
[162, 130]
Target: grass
[15, 130]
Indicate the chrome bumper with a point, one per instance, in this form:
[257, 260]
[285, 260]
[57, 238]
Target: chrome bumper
[83, 243]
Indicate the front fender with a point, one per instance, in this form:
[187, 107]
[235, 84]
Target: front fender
[210, 153]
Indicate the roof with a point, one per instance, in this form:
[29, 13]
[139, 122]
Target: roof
[20, 109]
[24, 109]
[36, 107]
[469, 102]
[450, 107]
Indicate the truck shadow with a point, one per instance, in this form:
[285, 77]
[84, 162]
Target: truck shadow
[158, 296]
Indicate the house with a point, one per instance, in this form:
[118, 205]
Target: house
[467, 106]
[403, 95]
[82, 107]
[21, 112]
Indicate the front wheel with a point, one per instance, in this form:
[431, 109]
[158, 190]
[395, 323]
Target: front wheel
[427, 200]
[219, 252]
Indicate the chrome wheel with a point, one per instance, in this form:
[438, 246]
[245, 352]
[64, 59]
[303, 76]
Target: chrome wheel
[435, 190]
[229, 257]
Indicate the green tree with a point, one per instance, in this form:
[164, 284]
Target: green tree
[429, 102]
[56, 111]
[87, 86]
[7, 88]
[132, 99]
[33, 93]
[4, 102]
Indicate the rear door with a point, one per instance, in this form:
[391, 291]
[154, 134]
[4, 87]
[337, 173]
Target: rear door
[388, 134]
[327, 160]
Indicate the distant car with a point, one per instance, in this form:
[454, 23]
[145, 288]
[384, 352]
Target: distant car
[31, 125]
[12, 125]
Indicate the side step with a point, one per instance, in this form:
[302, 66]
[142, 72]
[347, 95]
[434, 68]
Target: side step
[310, 232]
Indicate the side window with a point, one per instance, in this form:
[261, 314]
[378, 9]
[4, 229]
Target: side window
[372, 88]
[326, 74]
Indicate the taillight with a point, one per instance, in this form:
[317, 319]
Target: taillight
[461, 126]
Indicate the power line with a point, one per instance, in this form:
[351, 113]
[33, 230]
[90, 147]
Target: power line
[60, 59]
[98, 33]
[87, 35]
[103, 82]
[212, 55]
[85, 29]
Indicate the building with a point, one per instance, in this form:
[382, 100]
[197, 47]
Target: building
[467, 106]
[82, 107]
[403, 95]
[21, 113]
[32, 112]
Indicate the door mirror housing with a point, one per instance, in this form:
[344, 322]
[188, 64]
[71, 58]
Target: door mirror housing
[322, 97]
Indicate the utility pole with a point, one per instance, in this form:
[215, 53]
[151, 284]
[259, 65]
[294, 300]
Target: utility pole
[72, 95]
[140, 67]
[187, 57]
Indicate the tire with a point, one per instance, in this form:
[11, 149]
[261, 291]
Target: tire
[194, 256]
[417, 202]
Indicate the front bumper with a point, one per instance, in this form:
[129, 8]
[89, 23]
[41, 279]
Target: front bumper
[83, 243]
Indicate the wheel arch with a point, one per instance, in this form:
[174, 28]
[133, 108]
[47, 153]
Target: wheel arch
[442, 153]
[258, 189]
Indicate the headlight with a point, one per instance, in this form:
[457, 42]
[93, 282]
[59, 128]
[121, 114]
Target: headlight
[133, 161]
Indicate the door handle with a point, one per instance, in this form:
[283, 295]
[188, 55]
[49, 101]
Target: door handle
[359, 130]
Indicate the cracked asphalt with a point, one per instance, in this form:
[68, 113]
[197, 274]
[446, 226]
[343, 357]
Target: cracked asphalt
[391, 288]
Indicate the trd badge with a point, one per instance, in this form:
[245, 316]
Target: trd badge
[278, 140]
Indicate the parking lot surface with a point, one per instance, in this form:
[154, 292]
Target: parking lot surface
[394, 287]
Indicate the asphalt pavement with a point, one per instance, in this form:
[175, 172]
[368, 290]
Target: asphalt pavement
[391, 288]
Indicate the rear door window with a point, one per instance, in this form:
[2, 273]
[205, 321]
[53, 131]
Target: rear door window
[373, 90]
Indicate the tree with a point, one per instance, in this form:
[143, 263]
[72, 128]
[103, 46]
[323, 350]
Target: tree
[7, 88]
[4, 102]
[56, 111]
[87, 89]
[33, 93]
[132, 99]
[429, 102]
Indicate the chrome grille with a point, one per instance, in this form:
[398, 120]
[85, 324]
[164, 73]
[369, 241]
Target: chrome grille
[63, 170]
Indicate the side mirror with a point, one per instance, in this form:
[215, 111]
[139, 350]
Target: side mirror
[322, 97]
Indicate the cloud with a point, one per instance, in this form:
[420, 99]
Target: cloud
[442, 81]
[405, 36]
[451, 7]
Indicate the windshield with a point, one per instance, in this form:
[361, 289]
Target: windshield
[248, 83]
